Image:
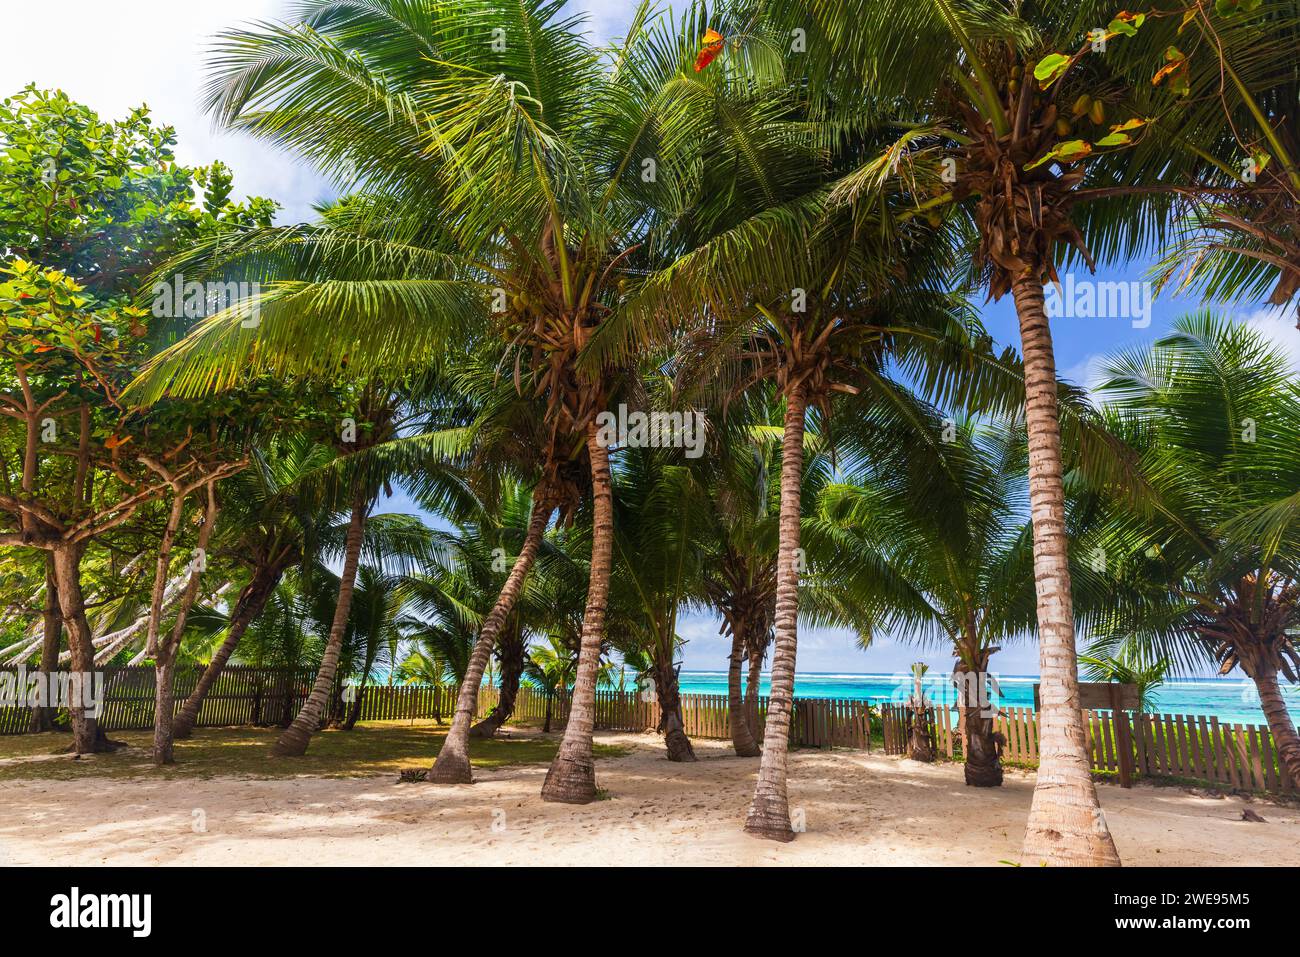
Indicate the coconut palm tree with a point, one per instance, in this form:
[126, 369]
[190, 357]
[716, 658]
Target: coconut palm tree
[550, 668]
[470, 568]
[269, 526]
[1213, 573]
[661, 520]
[1225, 81]
[373, 627]
[506, 170]
[993, 160]
[508, 437]
[944, 557]
[788, 296]
[1131, 666]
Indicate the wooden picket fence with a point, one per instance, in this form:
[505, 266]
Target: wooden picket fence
[1170, 746]
[245, 695]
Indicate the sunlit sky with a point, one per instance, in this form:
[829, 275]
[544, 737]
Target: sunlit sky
[116, 55]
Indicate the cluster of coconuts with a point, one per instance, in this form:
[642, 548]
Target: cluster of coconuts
[1085, 105]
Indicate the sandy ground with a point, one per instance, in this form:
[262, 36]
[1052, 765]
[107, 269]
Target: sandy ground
[859, 809]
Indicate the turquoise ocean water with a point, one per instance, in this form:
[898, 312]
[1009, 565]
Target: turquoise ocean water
[1228, 699]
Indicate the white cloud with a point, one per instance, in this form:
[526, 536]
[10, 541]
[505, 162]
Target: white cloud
[115, 56]
[1087, 373]
[1277, 324]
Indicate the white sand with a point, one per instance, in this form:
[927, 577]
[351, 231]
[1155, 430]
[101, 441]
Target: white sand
[859, 808]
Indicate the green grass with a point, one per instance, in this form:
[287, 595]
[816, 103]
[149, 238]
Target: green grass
[380, 747]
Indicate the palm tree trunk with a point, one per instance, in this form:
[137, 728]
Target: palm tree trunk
[670, 708]
[293, 742]
[511, 655]
[1285, 738]
[742, 737]
[52, 623]
[249, 605]
[769, 812]
[452, 764]
[752, 686]
[983, 756]
[354, 709]
[571, 778]
[1066, 825]
[981, 747]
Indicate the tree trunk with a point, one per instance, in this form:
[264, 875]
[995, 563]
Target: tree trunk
[921, 740]
[769, 811]
[452, 764]
[983, 752]
[742, 737]
[354, 709]
[164, 669]
[166, 651]
[511, 655]
[86, 734]
[981, 746]
[293, 742]
[670, 709]
[1066, 825]
[546, 724]
[249, 605]
[1285, 738]
[52, 623]
[753, 684]
[571, 778]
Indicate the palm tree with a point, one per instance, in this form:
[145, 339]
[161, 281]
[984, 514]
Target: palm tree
[740, 570]
[992, 160]
[503, 168]
[1225, 80]
[373, 626]
[464, 590]
[790, 297]
[944, 557]
[370, 454]
[268, 525]
[1213, 572]
[550, 668]
[1131, 666]
[661, 518]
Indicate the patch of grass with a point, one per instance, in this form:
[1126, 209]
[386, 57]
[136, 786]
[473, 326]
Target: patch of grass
[379, 747]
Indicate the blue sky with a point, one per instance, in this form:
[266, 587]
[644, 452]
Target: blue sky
[165, 70]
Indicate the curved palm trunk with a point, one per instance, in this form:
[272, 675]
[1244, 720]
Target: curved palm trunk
[511, 656]
[1280, 724]
[1066, 825]
[43, 717]
[571, 778]
[742, 736]
[293, 742]
[670, 710]
[769, 812]
[249, 605]
[452, 764]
